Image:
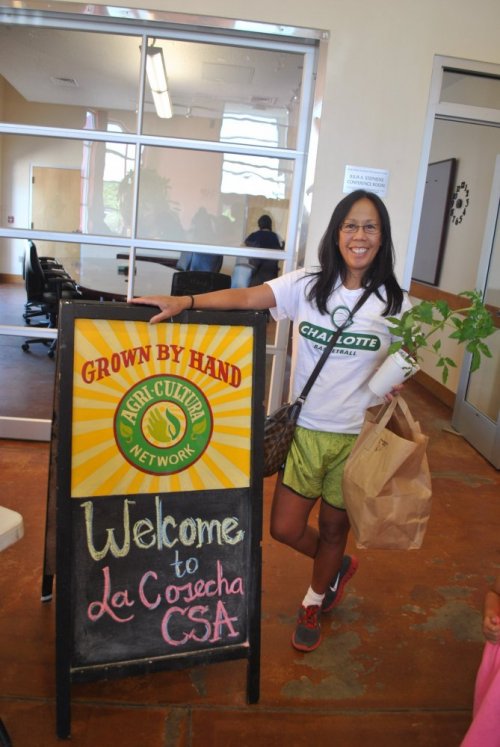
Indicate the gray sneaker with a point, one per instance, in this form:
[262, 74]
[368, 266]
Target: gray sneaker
[307, 635]
[335, 591]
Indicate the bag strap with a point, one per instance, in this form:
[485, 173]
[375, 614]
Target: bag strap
[403, 406]
[384, 415]
[385, 412]
[387, 409]
[328, 349]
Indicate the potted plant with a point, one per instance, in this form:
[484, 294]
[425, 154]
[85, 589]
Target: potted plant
[426, 324]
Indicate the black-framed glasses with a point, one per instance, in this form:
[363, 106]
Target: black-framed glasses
[369, 228]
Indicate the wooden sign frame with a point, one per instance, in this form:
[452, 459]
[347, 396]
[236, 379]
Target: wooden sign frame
[157, 491]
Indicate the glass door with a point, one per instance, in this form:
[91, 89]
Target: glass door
[153, 172]
[477, 406]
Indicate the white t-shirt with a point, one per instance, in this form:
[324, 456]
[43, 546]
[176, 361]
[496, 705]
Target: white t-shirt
[340, 395]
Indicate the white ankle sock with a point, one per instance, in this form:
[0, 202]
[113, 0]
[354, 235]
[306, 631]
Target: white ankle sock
[311, 598]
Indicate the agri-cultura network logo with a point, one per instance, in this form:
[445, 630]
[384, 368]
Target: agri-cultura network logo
[163, 424]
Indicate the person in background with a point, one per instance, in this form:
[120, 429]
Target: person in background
[202, 232]
[249, 272]
[484, 730]
[356, 259]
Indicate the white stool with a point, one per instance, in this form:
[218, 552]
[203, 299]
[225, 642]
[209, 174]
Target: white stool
[11, 530]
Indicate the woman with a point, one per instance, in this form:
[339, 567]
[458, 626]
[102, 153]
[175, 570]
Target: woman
[356, 258]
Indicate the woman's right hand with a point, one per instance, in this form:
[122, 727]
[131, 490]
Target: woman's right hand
[170, 305]
[393, 393]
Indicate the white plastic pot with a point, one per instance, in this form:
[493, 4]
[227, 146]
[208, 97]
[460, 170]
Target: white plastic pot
[396, 368]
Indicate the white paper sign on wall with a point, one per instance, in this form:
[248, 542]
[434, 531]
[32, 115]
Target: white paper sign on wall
[359, 177]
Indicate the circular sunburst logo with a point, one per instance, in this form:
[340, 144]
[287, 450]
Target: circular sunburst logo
[163, 424]
[340, 316]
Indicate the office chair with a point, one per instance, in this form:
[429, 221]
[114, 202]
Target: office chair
[32, 308]
[44, 289]
[197, 281]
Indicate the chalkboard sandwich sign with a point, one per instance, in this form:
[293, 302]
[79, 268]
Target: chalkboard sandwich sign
[158, 493]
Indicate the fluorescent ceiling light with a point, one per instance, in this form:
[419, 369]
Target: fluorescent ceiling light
[157, 77]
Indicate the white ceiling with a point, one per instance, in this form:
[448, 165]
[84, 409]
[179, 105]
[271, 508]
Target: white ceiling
[102, 70]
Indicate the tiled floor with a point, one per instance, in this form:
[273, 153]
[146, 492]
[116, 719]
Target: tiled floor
[396, 668]
[26, 378]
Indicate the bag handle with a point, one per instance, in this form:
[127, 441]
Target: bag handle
[387, 409]
[385, 412]
[406, 412]
[384, 415]
[328, 349]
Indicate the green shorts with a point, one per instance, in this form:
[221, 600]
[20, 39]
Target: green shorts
[315, 464]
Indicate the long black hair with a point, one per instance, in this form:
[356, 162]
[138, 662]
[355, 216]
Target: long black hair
[333, 269]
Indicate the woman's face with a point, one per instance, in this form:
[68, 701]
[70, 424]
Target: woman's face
[358, 246]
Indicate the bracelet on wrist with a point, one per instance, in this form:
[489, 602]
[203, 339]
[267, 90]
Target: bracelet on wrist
[192, 302]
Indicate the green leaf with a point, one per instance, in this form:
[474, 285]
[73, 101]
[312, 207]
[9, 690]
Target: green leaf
[394, 347]
[475, 362]
[484, 349]
[426, 312]
[437, 346]
[427, 323]
[443, 308]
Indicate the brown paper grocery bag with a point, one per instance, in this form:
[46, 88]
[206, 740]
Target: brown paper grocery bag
[386, 482]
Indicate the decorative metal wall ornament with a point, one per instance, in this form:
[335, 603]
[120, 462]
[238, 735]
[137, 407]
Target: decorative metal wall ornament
[460, 201]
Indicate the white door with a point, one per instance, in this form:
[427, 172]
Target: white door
[477, 406]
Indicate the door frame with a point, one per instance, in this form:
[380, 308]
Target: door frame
[477, 428]
[453, 112]
[470, 115]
